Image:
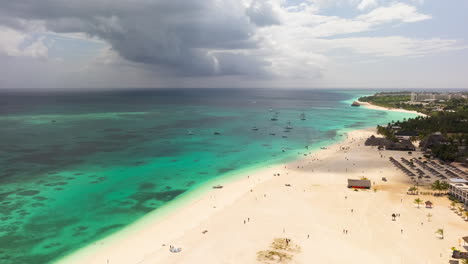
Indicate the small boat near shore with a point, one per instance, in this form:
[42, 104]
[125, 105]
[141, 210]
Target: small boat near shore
[217, 186]
[217, 133]
[355, 103]
[254, 128]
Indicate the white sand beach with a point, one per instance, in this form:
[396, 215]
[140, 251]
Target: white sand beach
[376, 107]
[246, 215]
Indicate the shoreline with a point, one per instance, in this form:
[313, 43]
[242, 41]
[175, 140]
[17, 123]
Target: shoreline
[376, 107]
[190, 198]
[242, 218]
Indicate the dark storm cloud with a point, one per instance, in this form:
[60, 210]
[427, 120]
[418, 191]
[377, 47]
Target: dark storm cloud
[176, 34]
[240, 64]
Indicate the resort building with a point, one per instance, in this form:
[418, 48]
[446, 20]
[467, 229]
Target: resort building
[459, 190]
[428, 97]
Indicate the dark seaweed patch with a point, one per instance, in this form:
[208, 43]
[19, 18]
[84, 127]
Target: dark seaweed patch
[4, 195]
[146, 186]
[224, 170]
[40, 198]
[52, 245]
[81, 228]
[190, 183]
[168, 195]
[28, 193]
[56, 183]
[142, 197]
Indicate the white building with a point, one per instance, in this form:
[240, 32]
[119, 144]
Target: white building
[459, 189]
[428, 97]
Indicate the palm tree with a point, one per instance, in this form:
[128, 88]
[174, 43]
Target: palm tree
[412, 189]
[440, 231]
[444, 186]
[453, 204]
[464, 261]
[460, 209]
[436, 186]
[417, 201]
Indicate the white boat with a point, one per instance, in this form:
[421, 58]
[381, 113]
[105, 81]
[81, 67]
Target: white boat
[288, 127]
[303, 116]
[254, 128]
[189, 132]
[275, 117]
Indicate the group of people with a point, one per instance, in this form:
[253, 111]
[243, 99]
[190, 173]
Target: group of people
[174, 250]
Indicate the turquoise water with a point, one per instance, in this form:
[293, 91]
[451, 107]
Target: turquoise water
[77, 167]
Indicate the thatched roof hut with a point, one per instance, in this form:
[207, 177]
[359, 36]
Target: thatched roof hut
[428, 204]
[432, 140]
[465, 239]
[375, 141]
[404, 145]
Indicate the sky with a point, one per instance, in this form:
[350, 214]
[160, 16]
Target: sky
[67, 44]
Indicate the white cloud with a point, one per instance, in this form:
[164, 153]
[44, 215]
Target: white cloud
[420, 2]
[391, 46]
[301, 45]
[395, 12]
[366, 4]
[15, 43]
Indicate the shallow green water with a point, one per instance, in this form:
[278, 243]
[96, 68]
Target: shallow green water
[77, 167]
